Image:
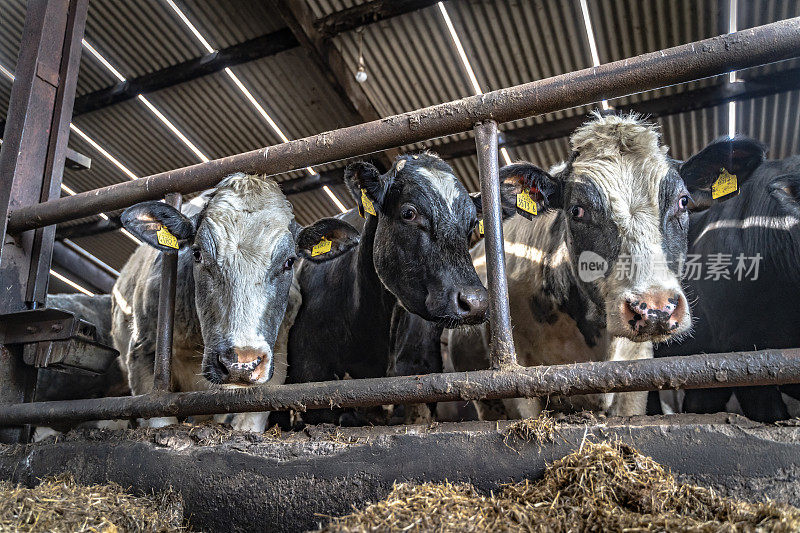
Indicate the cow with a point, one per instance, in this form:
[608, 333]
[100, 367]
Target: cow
[414, 251]
[594, 275]
[235, 297]
[755, 228]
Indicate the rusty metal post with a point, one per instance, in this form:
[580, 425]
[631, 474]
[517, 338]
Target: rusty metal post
[502, 342]
[31, 166]
[166, 311]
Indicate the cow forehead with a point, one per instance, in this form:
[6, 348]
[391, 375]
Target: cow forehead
[629, 185]
[624, 158]
[247, 221]
[443, 183]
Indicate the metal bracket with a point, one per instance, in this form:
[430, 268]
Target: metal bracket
[56, 338]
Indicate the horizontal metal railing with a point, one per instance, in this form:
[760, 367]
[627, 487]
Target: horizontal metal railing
[765, 367]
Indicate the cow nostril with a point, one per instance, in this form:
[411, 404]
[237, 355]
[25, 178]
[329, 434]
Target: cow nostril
[471, 302]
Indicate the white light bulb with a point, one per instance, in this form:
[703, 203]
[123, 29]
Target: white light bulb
[361, 76]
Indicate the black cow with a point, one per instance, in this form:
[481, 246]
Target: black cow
[414, 250]
[760, 225]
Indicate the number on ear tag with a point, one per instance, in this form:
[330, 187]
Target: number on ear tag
[367, 203]
[480, 227]
[322, 247]
[526, 206]
[165, 238]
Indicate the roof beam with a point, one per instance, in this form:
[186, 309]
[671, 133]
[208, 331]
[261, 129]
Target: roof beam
[368, 13]
[263, 46]
[298, 16]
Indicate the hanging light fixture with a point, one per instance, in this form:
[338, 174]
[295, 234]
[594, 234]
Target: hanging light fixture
[361, 73]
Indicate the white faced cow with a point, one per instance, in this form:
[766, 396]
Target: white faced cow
[596, 275]
[235, 277]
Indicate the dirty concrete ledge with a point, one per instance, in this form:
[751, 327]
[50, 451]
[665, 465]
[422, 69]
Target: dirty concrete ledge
[235, 482]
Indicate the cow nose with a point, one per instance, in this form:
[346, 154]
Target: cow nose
[654, 313]
[471, 303]
[243, 365]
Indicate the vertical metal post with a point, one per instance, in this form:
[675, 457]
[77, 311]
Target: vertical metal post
[31, 166]
[502, 342]
[166, 311]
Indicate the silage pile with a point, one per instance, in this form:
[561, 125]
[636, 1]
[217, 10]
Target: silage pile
[606, 486]
[61, 505]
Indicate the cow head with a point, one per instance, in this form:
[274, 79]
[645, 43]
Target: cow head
[238, 254]
[625, 210]
[423, 221]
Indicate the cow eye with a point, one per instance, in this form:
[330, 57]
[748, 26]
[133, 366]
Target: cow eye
[288, 264]
[683, 202]
[196, 254]
[577, 212]
[408, 214]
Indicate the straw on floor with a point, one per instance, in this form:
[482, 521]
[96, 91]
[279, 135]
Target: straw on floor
[61, 505]
[605, 486]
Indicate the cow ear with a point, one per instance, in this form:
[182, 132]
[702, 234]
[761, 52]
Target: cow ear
[786, 190]
[160, 225]
[326, 239]
[525, 189]
[719, 169]
[367, 187]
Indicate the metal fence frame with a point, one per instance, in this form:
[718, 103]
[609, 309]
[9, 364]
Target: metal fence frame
[31, 218]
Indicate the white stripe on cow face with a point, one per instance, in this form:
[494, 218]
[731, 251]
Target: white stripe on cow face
[444, 183]
[622, 159]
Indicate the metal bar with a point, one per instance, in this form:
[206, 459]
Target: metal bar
[709, 57]
[501, 345]
[166, 311]
[31, 162]
[86, 229]
[74, 265]
[766, 367]
[55, 158]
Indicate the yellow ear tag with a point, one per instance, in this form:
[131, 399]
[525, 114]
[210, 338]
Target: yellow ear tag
[367, 203]
[322, 247]
[726, 184]
[526, 203]
[165, 238]
[480, 227]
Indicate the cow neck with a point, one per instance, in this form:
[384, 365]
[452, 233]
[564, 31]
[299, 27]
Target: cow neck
[369, 290]
[185, 308]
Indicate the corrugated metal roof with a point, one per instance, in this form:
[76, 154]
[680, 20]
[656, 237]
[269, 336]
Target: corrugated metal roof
[411, 63]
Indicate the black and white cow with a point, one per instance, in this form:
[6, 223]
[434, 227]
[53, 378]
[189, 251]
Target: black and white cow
[414, 250]
[756, 234]
[595, 275]
[235, 298]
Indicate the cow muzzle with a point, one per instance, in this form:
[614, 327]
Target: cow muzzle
[246, 366]
[654, 315]
[468, 304]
